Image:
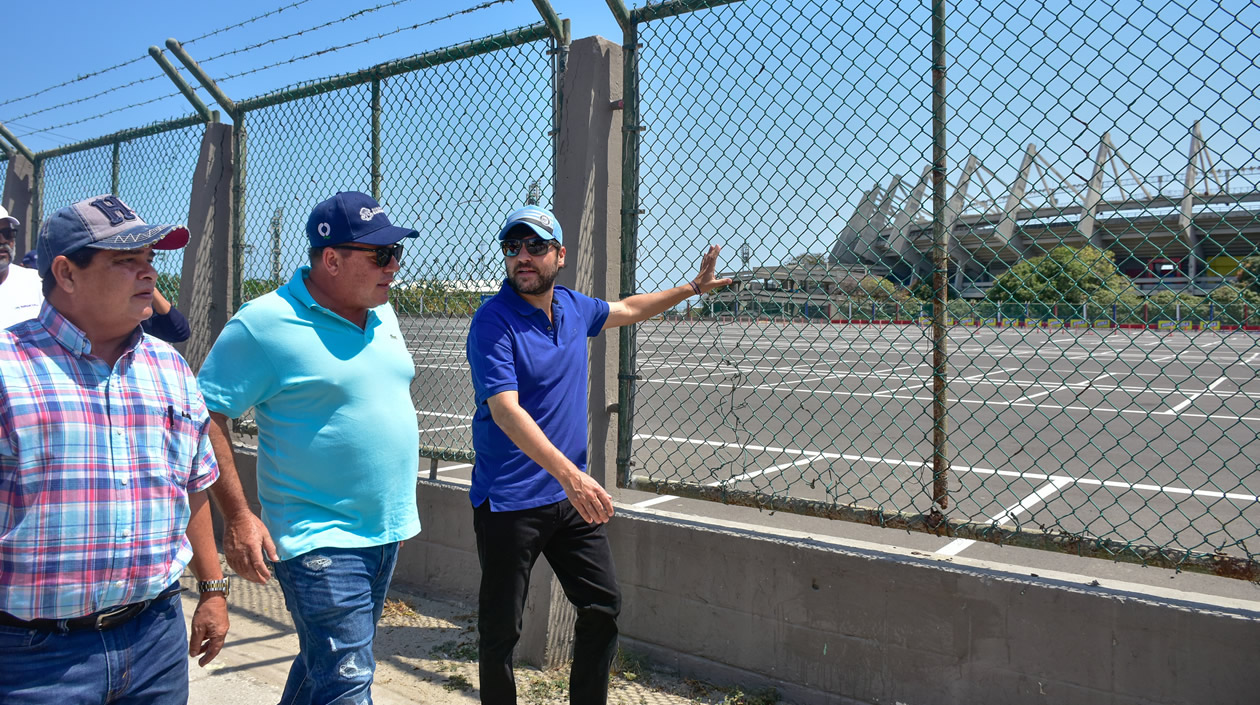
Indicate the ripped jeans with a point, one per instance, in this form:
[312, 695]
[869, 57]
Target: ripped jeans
[336, 596]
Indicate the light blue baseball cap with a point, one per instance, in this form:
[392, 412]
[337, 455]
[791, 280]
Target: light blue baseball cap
[542, 221]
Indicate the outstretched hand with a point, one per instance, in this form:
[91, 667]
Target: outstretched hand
[707, 280]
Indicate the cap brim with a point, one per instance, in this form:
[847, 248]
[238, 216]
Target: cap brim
[161, 237]
[537, 230]
[387, 235]
[11, 220]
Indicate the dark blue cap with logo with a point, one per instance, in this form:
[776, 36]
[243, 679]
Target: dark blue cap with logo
[351, 216]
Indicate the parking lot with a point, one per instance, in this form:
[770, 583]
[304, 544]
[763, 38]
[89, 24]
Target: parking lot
[1140, 436]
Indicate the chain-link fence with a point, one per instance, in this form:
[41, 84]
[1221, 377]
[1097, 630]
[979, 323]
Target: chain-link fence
[152, 172]
[1078, 181]
[444, 146]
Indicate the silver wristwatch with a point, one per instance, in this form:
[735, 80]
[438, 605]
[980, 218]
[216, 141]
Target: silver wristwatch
[222, 585]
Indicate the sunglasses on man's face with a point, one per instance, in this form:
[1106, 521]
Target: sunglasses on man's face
[383, 254]
[8, 234]
[535, 246]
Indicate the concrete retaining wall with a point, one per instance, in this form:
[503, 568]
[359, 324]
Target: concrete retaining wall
[830, 621]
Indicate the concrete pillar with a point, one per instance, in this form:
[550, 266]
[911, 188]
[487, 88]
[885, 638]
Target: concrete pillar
[588, 204]
[19, 183]
[205, 288]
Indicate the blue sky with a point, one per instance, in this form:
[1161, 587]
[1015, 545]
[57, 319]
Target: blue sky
[47, 43]
[765, 121]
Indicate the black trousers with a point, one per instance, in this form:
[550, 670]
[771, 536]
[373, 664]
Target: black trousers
[508, 543]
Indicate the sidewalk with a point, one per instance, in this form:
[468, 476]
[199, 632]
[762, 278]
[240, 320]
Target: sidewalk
[426, 652]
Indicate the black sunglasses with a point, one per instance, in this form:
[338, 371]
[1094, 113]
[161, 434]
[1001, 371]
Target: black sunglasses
[535, 246]
[383, 254]
[8, 234]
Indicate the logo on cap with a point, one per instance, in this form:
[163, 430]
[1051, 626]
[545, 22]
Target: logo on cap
[544, 220]
[325, 230]
[369, 213]
[113, 209]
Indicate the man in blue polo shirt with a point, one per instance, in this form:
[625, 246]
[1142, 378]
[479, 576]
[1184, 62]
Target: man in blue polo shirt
[324, 366]
[530, 491]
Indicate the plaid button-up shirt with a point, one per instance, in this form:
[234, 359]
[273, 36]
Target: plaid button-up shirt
[96, 465]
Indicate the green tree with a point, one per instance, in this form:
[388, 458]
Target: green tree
[1231, 305]
[1249, 274]
[1065, 274]
[253, 288]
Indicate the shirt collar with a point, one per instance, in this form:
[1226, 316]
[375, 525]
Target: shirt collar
[298, 290]
[523, 307]
[70, 337]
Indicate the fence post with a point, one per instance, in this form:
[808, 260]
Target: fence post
[19, 200]
[238, 208]
[626, 373]
[940, 264]
[376, 139]
[205, 284]
[116, 164]
[587, 202]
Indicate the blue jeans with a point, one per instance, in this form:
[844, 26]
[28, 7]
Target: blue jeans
[144, 661]
[336, 596]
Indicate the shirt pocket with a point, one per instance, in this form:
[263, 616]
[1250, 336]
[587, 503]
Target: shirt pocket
[180, 436]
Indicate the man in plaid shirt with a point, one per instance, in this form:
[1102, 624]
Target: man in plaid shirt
[104, 459]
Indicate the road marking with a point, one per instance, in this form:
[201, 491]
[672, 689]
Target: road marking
[1190, 399]
[443, 415]
[809, 458]
[967, 468]
[445, 428]
[957, 546]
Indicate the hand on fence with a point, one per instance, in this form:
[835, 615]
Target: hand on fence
[588, 498]
[707, 281]
[246, 543]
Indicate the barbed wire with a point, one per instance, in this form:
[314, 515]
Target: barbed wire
[50, 132]
[329, 50]
[86, 98]
[76, 79]
[221, 30]
[137, 60]
[299, 33]
[98, 115]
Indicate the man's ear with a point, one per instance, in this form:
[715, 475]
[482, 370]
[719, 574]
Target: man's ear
[331, 259]
[65, 273]
[560, 261]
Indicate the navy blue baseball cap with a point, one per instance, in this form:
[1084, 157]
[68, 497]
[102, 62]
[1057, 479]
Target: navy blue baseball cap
[351, 216]
[105, 223]
[540, 220]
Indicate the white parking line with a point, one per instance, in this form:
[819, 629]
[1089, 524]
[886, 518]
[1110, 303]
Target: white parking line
[443, 415]
[957, 546]
[1190, 399]
[1086, 481]
[445, 428]
[809, 458]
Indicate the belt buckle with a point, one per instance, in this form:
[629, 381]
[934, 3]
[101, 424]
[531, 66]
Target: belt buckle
[100, 618]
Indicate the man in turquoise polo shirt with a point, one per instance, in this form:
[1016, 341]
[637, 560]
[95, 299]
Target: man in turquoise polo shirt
[324, 365]
[530, 491]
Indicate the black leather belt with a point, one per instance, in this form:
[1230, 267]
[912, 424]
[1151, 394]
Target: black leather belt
[98, 621]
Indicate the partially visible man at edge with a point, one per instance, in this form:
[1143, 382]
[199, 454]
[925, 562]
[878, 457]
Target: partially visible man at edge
[104, 463]
[322, 362]
[20, 295]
